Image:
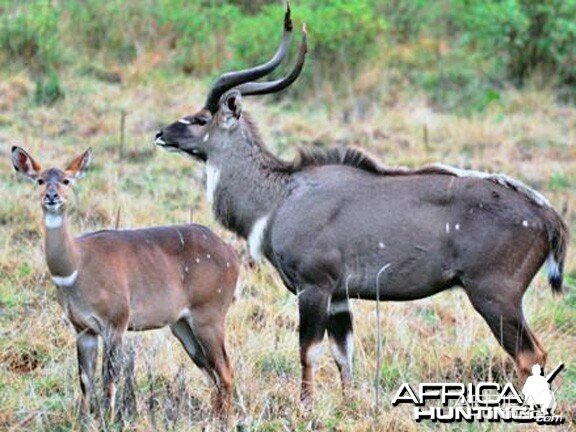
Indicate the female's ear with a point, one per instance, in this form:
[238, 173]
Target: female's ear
[24, 163]
[79, 166]
[230, 109]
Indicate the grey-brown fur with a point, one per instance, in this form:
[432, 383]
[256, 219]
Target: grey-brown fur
[337, 217]
[331, 221]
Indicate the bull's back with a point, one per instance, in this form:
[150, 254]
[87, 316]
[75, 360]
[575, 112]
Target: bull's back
[428, 228]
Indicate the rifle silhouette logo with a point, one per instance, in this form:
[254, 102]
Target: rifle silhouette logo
[537, 390]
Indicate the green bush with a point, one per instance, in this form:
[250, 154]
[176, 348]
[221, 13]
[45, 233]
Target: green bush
[111, 26]
[29, 33]
[48, 89]
[525, 35]
[460, 52]
[199, 33]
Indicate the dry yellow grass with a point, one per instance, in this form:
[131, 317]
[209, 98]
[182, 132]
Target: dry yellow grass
[526, 135]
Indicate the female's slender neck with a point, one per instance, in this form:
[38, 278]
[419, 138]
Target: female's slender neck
[61, 255]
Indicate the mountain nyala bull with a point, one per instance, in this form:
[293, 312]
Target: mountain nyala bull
[112, 281]
[329, 221]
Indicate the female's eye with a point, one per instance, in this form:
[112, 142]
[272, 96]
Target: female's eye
[66, 182]
[40, 182]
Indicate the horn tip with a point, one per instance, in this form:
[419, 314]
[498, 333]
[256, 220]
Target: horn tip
[287, 19]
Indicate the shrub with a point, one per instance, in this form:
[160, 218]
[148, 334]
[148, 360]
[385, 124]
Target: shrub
[461, 52]
[526, 36]
[48, 89]
[29, 33]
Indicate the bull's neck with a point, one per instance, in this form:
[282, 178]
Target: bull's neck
[251, 184]
[61, 254]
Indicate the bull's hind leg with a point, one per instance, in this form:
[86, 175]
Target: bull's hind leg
[501, 306]
[340, 333]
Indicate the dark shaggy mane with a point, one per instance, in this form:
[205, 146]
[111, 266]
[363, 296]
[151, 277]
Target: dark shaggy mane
[361, 160]
[357, 159]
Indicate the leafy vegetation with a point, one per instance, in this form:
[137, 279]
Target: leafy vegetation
[461, 52]
[411, 81]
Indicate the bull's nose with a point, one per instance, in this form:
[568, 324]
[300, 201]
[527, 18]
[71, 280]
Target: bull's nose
[159, 134]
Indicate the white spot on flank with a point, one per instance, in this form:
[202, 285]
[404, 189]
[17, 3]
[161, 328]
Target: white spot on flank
[447, 228]
[381, 245]
[219, 290]
[65, 281]
[197, 260]
[208, 256]
[212, 178]
[186, 269]
[457, 227]
[227, 264]
[525, 223]
[53, 221]
[184, 121]
[206, 137]
[256, 237]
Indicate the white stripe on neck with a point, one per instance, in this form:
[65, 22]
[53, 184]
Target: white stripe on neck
[212, 178]
[53, 221]
[65, 281]
[256, 237]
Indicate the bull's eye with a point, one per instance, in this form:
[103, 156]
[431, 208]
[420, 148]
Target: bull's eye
[40, 182]
[201, 121]
[66, 182]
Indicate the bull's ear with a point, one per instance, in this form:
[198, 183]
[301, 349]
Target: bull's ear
[79, 166]
[24, 163]
[230, 109]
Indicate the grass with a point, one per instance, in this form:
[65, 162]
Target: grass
[524, 134]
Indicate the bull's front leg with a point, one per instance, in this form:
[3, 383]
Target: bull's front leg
[313, 303]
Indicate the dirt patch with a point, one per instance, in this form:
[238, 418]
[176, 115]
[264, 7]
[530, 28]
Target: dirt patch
[22, 362]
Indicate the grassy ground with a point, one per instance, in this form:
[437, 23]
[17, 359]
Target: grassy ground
[525, 135]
